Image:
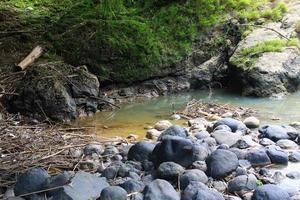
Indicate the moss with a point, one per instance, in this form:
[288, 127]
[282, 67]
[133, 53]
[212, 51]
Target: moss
[297, 29]
[248, 56]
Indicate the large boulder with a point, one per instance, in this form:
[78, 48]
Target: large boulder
[274, 132]
[220, 163]
[160, 189]
[140, 151]
[234, 124]
[174, 130]
[47, 91]
[270, 192]
[83, 186]
[175, 149]
[261, 73]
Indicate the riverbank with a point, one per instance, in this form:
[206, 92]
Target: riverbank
[221, 159]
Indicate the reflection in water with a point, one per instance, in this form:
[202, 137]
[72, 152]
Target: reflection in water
[134, 118]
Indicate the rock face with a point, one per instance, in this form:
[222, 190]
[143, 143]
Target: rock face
[266, 73]
[44, 90]
[220, 163]
[160, 189]
[270, 192]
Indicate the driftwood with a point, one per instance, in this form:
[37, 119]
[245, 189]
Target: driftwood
[34, 54]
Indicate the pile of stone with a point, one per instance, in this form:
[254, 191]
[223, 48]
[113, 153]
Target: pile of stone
[205, 161]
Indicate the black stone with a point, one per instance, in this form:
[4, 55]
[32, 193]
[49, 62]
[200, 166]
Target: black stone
[160, 190]
[270, 192]
[113, 193]
[140, 151]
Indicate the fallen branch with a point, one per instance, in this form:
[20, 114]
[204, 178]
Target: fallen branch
[31, 58]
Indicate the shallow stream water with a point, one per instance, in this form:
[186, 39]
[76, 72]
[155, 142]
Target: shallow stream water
[135, 117]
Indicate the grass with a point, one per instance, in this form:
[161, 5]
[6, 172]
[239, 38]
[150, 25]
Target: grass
[132, 40]
[248, 56]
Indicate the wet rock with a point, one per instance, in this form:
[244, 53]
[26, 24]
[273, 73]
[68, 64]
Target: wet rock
[270, 192]
[293, 175]
[277, 156]
[31, 181]
[113, 192]
[192, 175]
[220, 163]
[258, 158]
[191, 190]
[235, 125]
[201, 165]
[152, 134]
[226, 137]
[175, 117]
[169, 170]
[174, 149]
[287, 144]
[132, 186]
[266, 142]
[83, 186]
[93, 149]
[160, 189]
[162, 125]
[251, 122]
[294, 156]
[140, 151]
[174, 130]
[242, 183]
[274, 132]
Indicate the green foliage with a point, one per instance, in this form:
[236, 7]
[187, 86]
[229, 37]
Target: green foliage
[247, 57]
[259, 183]
[131, 40]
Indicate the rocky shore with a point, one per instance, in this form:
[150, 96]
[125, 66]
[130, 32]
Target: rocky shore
[224, 159]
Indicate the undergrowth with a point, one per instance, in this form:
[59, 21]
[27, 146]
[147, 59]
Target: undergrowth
[131, 40]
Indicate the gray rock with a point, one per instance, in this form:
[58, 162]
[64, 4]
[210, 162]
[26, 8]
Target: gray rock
[31, 181]
[202, 134]
[110, 151]
[258, 158]
[226, 137]
[201, 165]
[56, 181]
[222, 127]
[174, 130]
[234, 124]
[111, 172]
[160, 189]
[293, 175]
[140, 151]
[241, 171]
[220, 186]
[175, 149]
[287, 144]
[270, 192]
[162, 125]
[83, 186]
[294, 156]
[93, 149]
[132, 186]
[208, 195]
[251, 122]
[191, 190]
[220, 163]
[266, 142]
[245, 142]
[278, 177]
[277, 156]
[192, 175]
[169, 170]
[274, 132]
[113, 192]
[242, 183]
